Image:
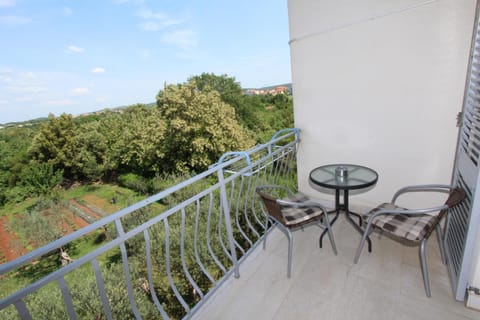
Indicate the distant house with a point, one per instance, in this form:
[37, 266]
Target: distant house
[268, 90]
[281, 89]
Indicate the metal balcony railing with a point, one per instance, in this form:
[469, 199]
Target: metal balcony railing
[162, 257]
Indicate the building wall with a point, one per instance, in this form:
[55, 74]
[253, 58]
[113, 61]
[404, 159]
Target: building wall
[379, 83]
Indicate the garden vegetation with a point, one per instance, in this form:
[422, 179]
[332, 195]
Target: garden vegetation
[120, 156]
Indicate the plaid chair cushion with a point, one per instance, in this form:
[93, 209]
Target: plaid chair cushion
[410, 227]
[294, 216]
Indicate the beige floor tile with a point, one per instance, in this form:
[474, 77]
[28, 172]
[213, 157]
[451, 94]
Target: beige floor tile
[385, 284]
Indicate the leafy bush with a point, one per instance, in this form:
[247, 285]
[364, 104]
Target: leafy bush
[134, 181]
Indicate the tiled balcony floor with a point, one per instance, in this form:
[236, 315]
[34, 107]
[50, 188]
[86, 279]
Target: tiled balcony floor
[385, 284]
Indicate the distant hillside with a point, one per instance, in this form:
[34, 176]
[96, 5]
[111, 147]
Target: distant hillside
[288, 85]
[27, 123]
[119, 108]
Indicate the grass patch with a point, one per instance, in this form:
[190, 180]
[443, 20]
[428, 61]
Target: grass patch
[12, 209]
[87, 244]
[107, 192]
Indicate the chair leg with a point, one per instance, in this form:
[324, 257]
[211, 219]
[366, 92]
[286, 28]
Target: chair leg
[290, 248]
[326, 225]
[332, 241]
[441, 244]
[265, 234]
[362, 243]
[289, 236]
[423, 263]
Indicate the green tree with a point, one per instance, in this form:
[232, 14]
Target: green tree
[133, 140]
[14, 144]
[57, 144]
[40, 178]
[200, 127]
[230, 92]
[93, 157]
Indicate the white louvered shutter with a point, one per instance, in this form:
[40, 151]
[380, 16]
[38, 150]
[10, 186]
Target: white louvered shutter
[463, 222]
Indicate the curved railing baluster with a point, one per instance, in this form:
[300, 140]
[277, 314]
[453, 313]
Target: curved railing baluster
[237, 209]
[168, 267]
[210, 250]
[249, 197]
[255, 200]
[22, 310]
[126, 270]
[195, 244]
[182, 257]
[151, 286]
[101, 289]
[220, 237]
[67, 298]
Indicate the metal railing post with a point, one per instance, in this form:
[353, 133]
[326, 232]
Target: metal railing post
[228, 223]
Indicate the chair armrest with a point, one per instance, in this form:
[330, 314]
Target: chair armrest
[443, 188]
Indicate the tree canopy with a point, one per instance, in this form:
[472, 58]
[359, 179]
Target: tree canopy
[191, 126]
[200, 127]
[57, 144]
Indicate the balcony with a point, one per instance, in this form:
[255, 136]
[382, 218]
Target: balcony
[199, 255]
[163, 256]
[377, 83]
[385, 284]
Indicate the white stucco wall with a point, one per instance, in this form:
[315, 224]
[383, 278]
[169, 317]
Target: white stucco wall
[379, 83]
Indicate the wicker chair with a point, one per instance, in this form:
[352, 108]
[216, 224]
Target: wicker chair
[290, 213]
[412, 225]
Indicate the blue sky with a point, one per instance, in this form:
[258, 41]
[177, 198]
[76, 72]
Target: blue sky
[77, 56]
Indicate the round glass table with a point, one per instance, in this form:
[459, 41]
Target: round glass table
[342, 178]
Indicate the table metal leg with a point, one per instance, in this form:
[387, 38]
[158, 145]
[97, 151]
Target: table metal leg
[345, 207]
[358, 216]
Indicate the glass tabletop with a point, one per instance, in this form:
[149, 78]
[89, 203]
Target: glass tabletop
[343, 176]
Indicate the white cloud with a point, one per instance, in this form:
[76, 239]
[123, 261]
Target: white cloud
[98, 70]
[80, 91]
[23, 83]
[66, 11]
[151, 26]
[155, 21]
[74, 49]
[14, 20]
[5, 78]
[60, 102]
[27, 89]
[145, 54]
[7, 3]
[145, 13]
[184, 39]
[101, 99]
[24, 99]
[29, 75]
